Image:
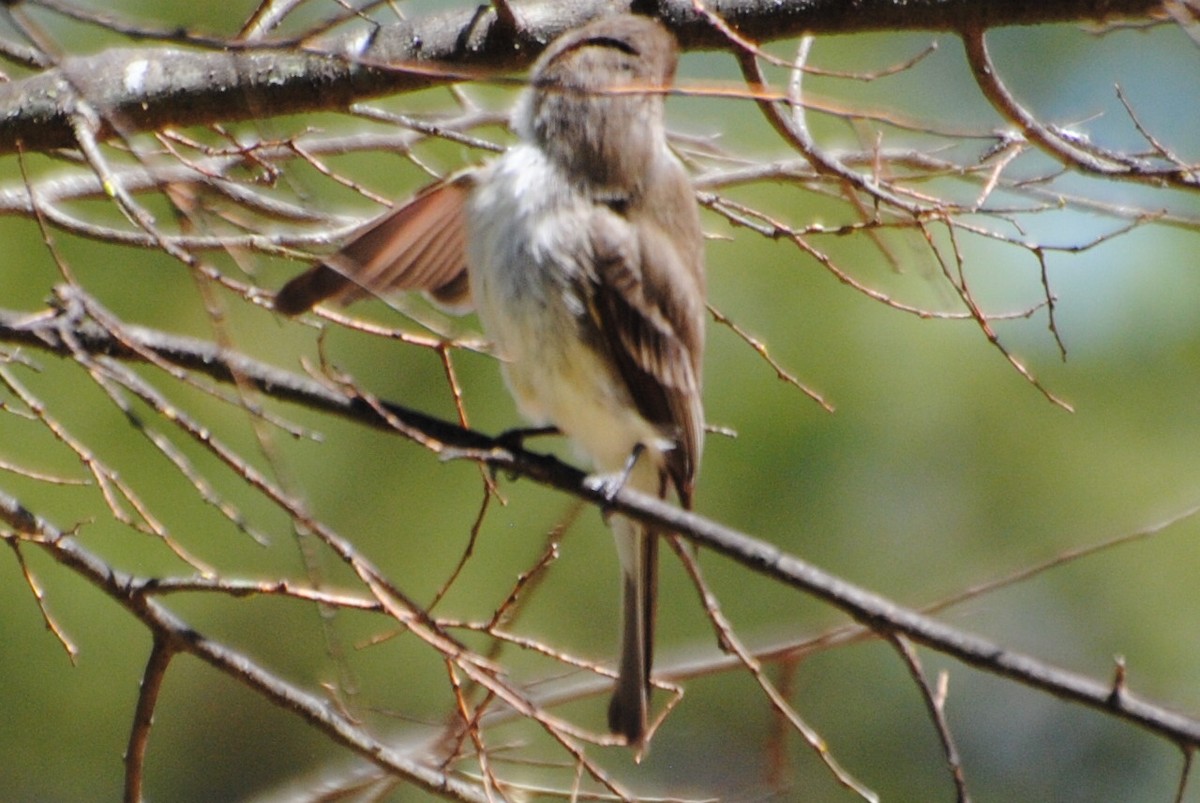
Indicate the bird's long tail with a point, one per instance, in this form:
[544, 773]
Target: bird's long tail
[628, 711]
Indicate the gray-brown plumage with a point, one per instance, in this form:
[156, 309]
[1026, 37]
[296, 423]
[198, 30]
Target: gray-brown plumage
[585, 262]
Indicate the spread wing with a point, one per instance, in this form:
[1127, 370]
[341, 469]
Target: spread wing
[648, 303]
[420, 245]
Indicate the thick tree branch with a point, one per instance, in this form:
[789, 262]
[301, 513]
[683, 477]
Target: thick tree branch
[143, 89]
[51, 332]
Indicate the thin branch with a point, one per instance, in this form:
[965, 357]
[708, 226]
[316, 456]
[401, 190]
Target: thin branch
[1185, 773]
[794, 130]
[958, 280]
[935, 701]
[729, 640]
[760, 348]
[39, 596]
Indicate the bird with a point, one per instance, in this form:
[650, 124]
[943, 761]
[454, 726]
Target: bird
[580, 248]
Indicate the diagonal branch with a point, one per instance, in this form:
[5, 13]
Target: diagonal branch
[179, 636]
[47, 332]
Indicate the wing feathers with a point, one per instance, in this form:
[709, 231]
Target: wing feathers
[418, 246]
[650, 316]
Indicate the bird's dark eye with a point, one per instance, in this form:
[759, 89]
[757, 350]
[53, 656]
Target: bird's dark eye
[617, 203]
[616, 44]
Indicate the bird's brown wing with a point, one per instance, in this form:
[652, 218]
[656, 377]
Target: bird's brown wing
[648, 305]
[420, 245]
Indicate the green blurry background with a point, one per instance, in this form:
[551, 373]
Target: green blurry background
[940, 468]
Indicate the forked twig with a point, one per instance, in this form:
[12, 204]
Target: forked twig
[730, 641]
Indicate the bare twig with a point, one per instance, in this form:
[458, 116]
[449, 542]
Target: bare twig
[730, 641]
[935, 701]
[139, 735]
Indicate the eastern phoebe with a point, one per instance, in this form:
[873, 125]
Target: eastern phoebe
[581, 250]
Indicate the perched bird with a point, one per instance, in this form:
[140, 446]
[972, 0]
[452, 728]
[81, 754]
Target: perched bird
[581, 250]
